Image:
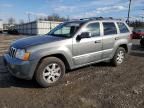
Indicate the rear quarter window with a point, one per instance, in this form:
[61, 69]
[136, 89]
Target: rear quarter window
[122, 27]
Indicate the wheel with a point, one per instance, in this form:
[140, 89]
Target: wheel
[118, 57]
[50, 72]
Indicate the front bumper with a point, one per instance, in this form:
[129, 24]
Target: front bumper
[20, 69]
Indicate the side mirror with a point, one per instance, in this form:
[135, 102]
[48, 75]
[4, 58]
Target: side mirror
[84, 35]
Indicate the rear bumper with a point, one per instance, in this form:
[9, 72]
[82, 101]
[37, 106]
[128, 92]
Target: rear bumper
[19, 68]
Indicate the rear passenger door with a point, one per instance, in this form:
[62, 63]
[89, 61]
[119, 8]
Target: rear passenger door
[109, 37]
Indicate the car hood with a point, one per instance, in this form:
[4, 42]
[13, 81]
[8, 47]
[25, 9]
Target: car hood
[35, 40]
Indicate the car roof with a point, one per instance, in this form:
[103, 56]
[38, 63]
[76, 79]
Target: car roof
[93, 19]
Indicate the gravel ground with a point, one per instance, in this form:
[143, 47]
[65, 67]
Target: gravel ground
[96, 86]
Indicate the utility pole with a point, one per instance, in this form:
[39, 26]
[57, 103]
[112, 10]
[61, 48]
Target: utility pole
[129, 11]
[142, 19]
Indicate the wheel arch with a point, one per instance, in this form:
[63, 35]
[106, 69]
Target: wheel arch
[124, 46]
[60, 56]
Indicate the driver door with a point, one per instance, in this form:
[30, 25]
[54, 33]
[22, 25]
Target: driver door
[88, 50]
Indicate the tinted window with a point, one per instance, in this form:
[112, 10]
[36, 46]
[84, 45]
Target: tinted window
[122, 27]
[94, 29]
[109, 28]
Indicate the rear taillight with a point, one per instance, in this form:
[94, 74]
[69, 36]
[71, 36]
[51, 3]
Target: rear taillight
[130, 37]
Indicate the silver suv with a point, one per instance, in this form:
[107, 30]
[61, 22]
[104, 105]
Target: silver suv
[70, 45]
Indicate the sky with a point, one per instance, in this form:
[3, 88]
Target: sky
[19, 9]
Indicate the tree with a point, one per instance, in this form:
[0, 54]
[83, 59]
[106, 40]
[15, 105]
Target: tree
[53, 17]
[56, 17]
[11, 21]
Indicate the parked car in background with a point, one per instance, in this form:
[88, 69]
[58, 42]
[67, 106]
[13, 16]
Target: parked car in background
[13, 31]
[142, 41]
[70, 45]
[138, 33]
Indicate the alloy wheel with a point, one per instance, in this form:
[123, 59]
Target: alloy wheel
[120, 57]
[52, 73]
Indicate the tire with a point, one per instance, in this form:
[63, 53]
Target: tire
[50, 72]
[120, 52]
[142, 42]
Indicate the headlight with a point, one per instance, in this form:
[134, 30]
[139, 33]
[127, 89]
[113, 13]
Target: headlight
[21, 54]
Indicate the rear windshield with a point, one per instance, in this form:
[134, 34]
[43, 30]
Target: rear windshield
[122, 27]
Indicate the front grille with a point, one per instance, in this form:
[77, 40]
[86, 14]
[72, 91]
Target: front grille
[12, 51]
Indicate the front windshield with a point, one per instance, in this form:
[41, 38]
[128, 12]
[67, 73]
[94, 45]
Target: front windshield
[67, 29]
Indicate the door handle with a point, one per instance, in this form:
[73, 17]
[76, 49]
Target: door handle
[98, 41]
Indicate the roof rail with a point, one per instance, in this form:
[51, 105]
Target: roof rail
[99, 18]
[92, 18]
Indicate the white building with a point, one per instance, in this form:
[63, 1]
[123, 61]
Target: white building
[36, 27]
[1, 25]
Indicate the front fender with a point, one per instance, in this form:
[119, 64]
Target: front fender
[52, 51]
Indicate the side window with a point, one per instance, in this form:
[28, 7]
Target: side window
[109, 28]
[122, 27]
[94, 29]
